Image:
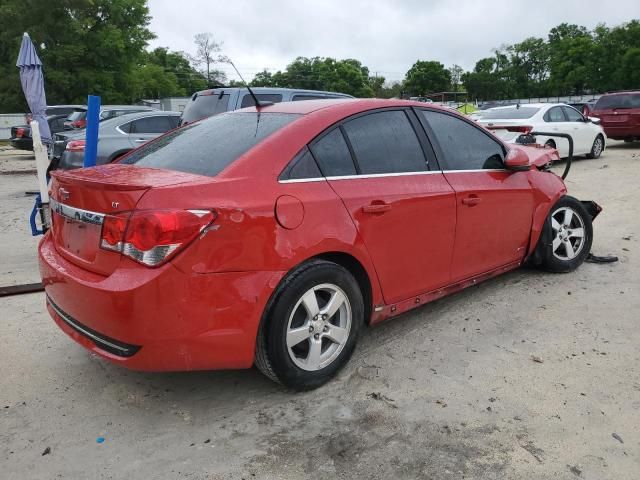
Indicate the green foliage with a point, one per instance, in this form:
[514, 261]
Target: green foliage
[572, 60]
[426, 77]
[320, 73]
[89, 47]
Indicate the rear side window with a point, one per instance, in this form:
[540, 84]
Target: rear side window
[623, 100]
[333, 156]
[157, 124]
[301, 167]
[385, 142]
[79, 115]
[209, 146]
[554, 115]
[202, 106]
[464, 146]
[247, 100]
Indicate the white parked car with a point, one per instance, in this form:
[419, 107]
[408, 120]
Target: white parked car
[514, 122]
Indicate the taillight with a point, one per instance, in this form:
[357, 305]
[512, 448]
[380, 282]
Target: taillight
[19, 132]
[152, 237]
[519, 129]
[79, 123]
[76, 146]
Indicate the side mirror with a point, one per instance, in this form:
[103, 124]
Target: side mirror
[517, 160]
[594, 120]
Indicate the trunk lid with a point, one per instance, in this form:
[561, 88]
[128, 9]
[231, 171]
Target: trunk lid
[80, 199]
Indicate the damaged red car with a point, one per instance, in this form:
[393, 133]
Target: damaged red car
[274, 236]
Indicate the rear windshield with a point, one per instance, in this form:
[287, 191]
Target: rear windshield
[509, 113]
[624, 100]
[207, 147]
[206, 105]
[80, 115]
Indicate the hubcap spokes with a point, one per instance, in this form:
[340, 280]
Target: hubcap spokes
[318, 327]
[568, 233]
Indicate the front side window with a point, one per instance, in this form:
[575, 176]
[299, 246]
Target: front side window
[464, 146]
[209, 146]
[385, 142]
[333, 156]
[554, 114]
[573, 115]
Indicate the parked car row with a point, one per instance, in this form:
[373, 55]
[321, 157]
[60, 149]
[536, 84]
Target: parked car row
[123, 128]
[513, 124]
[614, 115]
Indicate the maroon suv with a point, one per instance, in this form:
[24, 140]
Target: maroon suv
[619, 114]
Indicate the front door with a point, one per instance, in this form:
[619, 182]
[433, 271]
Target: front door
[494, 206]
[404, 213]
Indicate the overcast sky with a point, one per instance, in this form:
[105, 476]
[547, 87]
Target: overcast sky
[387, 36]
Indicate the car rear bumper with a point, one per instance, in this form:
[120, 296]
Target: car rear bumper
[25, 143]
[159, 319]
[620, 132]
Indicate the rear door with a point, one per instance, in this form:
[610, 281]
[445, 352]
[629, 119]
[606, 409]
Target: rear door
[580, 130]
[404, 212]
[494, 206]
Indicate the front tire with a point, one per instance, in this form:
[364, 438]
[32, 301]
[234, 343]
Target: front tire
[597, 147]
[567, 236]
[311, 327]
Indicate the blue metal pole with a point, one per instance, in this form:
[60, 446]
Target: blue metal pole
[91, 138]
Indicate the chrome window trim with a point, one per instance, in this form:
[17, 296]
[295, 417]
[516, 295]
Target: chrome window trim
[383, 175]
[76, 214]
[78, 327]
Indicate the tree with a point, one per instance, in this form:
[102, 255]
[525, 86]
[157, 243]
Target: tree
[176, 64]
[322, 73]
[206, 56]
[455, 72]
[426, 77]
[86, 46]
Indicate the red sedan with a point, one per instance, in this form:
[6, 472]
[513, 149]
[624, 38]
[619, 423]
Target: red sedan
[274, 236]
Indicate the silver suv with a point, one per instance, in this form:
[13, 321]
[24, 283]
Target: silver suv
[218, 100]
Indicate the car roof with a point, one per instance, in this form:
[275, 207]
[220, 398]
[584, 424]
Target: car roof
[352, 105]
[127, 117]
[274, 90]
[622, 92]
[125, 107]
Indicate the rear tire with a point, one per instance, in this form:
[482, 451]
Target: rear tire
[311, 326]
[566, 238]
[597, 147]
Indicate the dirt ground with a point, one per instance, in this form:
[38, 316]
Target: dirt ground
[530, 375]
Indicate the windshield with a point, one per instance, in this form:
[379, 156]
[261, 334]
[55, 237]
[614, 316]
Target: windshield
[625, 100]
[207, 147]
[509, 113]
[204, 105]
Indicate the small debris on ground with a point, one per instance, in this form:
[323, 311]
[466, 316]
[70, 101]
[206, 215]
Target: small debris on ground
[536, 359]
[383, 398]
[441, 402]
[575, 470]
[617, 437]
[47, 451]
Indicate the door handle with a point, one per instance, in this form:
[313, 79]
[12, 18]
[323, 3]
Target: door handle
[376, 208]
[471, 200]
[141, 140]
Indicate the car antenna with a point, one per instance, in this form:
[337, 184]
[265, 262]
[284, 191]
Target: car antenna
[225, 59]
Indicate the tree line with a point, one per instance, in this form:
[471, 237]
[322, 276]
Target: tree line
[100, 47]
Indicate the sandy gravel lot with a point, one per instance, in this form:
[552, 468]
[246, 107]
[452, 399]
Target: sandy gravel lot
[448, 391]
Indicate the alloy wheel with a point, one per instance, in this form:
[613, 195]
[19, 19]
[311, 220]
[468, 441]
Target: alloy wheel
[319, 327]
[569, 233]
[597, 147]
